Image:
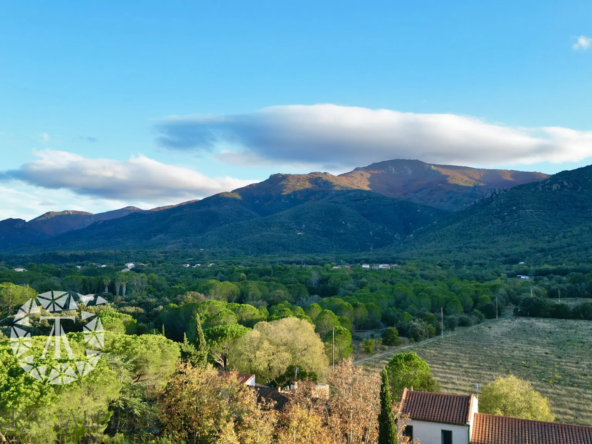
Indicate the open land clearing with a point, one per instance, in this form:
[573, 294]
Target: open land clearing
[554, 355]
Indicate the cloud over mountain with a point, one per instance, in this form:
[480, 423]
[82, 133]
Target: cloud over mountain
[341, 136]
[138, 178]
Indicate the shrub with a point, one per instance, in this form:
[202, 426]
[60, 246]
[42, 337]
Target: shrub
[368, 345]
[464, 321]
[451, 322]
[391, 337]
[479, 315]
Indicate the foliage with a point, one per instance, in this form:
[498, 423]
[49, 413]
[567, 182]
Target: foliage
[152, 357]
[343, 344]
[271, 347]
[198, 405]
[510, 396]
[368, 345]
[387, 428]
[390, 336]
[222, 339]
[12, 296]
[407, 370]
[292, 375]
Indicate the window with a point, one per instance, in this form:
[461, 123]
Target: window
[446, 437]
[408, 432]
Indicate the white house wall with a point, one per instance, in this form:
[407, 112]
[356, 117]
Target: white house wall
[431, 432]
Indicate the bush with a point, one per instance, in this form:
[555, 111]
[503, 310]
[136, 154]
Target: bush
[560, 311]
[479, 315]
[534, 307]
[451, 322]
[582, 311]
[368, 345]
[416, 330]
[391, 337]
[489, 310]
[464, 321]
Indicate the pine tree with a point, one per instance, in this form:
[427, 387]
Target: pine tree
[202, 347]
[387, 429]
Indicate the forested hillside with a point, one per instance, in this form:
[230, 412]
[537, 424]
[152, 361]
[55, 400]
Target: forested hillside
[304, 221]
[364, 210]
[546, 221]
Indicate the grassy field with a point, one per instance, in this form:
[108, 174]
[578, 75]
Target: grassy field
[554, 355]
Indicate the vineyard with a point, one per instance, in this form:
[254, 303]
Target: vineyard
[554, 355]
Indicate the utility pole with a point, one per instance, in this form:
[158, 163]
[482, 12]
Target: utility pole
[496, 316]
[442, 320]
[333, 350]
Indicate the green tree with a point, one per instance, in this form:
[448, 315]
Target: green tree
[224, 317]
[343, 344]
[454, 307]
[222, 291]
[151, 357]
[390, 336]
[271, 347]
[200, 344]
[409, 370]
[326, 321]
[189, 353]
[387, 428]
[313, 310]
[368, 345]
[510, 396]
[12, 296]
[222, 339]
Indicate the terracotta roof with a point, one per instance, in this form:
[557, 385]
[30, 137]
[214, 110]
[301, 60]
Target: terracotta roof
[436, 407]
[490, 429]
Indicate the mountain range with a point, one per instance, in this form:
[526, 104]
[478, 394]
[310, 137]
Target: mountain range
[397, 205]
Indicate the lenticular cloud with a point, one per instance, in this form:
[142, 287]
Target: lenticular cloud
[352, 136]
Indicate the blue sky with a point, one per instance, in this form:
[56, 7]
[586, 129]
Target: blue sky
[105, 104]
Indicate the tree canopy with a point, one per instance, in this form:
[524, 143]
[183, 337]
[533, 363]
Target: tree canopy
[510, 396]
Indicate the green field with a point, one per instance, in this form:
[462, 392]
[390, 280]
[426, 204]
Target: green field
[554, 355]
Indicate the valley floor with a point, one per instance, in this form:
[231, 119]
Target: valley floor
[554, 355]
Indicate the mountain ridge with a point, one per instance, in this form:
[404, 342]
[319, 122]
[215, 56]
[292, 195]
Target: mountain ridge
[429, 191]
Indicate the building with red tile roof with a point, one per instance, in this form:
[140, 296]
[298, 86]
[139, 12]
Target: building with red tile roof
[491, 429]
[436, 418]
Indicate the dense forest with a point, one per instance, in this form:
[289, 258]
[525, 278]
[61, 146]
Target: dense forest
[264, 317]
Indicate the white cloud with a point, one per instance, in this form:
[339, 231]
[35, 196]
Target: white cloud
[583, 43]
[331, 136]
[137, 179]
[45, 137]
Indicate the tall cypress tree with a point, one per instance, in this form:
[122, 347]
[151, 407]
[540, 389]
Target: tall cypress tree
[189, 352]
[387, 429]
[202, 347]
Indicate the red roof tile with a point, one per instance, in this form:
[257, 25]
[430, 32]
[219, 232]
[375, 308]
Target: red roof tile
[490, 429]
[436, 407]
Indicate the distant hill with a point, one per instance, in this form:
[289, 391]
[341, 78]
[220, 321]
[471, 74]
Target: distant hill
[15, 232]
[447, 187]
[548, 219]
[369, 208]
[54, 222]
[306, 220]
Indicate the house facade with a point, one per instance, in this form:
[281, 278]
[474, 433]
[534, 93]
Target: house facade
[437, 418]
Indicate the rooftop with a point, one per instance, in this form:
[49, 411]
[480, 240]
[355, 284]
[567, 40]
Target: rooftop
[490, 429]
[436, 407]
